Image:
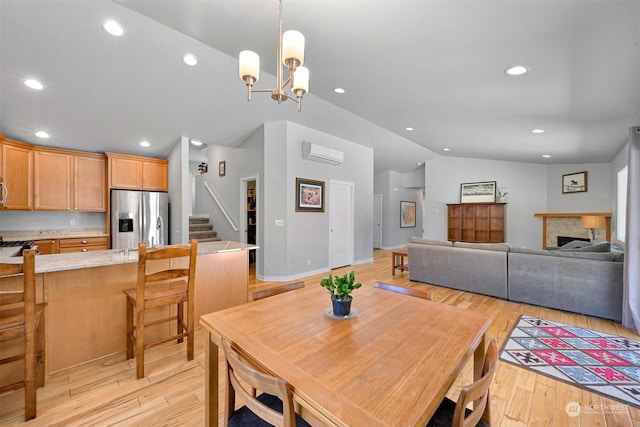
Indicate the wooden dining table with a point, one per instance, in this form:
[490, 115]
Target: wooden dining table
[390, 364]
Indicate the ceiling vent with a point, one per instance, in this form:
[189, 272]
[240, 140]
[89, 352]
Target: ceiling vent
[320, 153]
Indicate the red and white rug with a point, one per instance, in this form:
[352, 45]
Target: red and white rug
[597, 361]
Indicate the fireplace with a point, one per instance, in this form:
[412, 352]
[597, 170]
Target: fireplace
[563, 240]
[568, 224]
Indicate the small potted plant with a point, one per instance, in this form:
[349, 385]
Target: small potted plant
[340, 289]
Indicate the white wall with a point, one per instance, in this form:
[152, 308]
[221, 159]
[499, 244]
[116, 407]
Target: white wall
[179, 192]
[526, 184]
[50, 220]
[393, 187]
[304, 239]
[597, 198]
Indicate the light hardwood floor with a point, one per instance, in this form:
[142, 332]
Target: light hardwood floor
[106, 392]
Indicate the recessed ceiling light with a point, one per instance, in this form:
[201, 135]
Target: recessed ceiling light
[113, 28]
[190, 59]
[409, 129]
[33, 84]
[339, 90]
[145, 144]
[42, 134]
[517, 70]
[537, 130]
[446, 149]
[196, 142]
[546, 156]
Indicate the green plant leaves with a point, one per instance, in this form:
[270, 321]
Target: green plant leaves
[340, 287]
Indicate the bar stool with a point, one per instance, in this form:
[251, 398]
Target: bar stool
[159, 289]
[22, 318]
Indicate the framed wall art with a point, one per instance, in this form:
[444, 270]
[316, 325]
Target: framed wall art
[574, 182]
[222, 168]
[309, 195]
[478, 192]
[407, 214]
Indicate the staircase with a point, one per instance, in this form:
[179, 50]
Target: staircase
[200, 229]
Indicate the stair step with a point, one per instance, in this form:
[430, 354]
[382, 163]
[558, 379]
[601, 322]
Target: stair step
[200, 227]
[203, 235]
[210, 239]
[198, 220]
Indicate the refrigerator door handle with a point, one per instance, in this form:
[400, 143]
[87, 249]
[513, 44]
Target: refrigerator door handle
[161, 230]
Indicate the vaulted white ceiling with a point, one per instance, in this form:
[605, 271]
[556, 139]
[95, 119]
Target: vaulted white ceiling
[435, 66]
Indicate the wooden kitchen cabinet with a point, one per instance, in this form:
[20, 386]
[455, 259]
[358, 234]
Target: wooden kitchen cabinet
[89, 177]
[137, 173]
[48, 247]
[85, 244]
[69, 180]
[52, 180]
[16, 166]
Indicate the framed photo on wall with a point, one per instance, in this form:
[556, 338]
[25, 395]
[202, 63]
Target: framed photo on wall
[309, 195]
[574, 182]
[407, 214]
[222, 168]
[478, 192]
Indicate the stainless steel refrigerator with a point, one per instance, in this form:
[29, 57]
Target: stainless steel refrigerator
[139, 216]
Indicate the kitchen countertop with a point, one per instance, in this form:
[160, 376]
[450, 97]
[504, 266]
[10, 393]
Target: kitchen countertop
[15, 235]
[78, 260]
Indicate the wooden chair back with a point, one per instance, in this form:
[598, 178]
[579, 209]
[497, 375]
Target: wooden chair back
[276, 290]
[19, 319]
[478, 392]
[418, 293]
[239, 371]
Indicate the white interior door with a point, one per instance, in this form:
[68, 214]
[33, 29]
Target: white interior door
[377, 220]
[341, 223]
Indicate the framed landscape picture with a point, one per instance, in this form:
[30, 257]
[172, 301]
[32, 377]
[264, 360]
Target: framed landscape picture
[309, 195]
[478, 192]
[407, 214]
[574, 182]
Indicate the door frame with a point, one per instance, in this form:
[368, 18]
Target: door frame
[242, 223]
[351, 225]
[377, 205]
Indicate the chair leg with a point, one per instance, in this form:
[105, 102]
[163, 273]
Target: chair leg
[30, 402]
[129, 329]
[140, 343]
[40, 360]
[180, 320]
[190, 337]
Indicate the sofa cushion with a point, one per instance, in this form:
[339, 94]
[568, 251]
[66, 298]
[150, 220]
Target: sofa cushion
[596, 247]
[574, 244]
[430, 242]
[500, 247]
[596, 256]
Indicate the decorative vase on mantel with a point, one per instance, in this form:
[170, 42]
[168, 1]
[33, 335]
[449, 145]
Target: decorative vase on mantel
[340, 289]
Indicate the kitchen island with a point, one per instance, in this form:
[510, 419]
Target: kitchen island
[86, 311]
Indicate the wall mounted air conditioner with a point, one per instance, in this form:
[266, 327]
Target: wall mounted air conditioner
[320, 153]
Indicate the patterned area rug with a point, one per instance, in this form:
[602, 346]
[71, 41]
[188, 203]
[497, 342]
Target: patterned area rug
[599, 362]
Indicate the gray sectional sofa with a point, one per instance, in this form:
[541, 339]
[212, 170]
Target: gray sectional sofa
[584, 280]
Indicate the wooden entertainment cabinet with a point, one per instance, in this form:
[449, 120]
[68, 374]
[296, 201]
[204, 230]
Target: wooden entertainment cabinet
[476, 222]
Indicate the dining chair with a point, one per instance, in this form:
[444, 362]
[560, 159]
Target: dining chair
[456, 414]
[274, 406]
[276, 290]
[161, 289]
[419, 293]
[21, 317]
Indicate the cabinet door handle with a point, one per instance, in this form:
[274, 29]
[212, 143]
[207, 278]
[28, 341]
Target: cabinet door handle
[85, 250]
[84, 242]
[4, 192]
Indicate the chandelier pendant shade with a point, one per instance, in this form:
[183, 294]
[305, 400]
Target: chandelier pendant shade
[290, 53]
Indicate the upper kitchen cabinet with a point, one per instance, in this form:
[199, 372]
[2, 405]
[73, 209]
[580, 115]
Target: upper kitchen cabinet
[16, 166]
[137, 173]
[69, 180]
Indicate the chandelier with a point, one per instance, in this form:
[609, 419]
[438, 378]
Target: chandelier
[290, 53]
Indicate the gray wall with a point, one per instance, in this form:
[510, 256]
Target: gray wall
[179, 192]
[50, 220]
[393, 187]
[597, 198]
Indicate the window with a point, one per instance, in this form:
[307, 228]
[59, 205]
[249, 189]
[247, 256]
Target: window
[621, 218]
